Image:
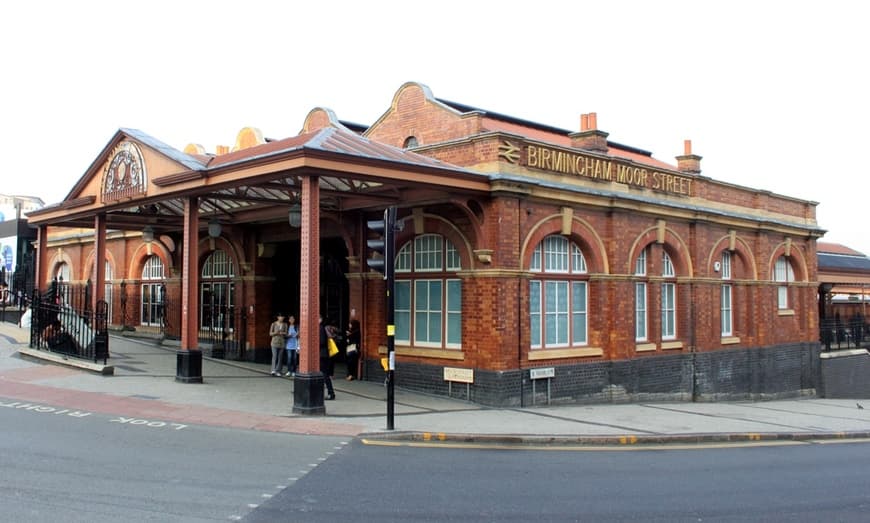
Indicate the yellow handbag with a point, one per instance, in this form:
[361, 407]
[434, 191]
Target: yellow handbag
[333, 348]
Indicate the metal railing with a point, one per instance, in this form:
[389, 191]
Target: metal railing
[62, 321]
[224, 331]
[837, 334]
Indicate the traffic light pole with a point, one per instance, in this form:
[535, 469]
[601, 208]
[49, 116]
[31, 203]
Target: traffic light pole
[385, 245]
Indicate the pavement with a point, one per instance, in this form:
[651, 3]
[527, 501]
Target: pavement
[244, 395]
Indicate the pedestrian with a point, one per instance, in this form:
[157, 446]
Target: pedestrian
[278, 335]
[326, 364]
[26, 317]
[292, 346]
[353, 346]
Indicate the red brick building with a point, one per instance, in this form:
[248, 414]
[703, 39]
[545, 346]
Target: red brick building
[533, 262]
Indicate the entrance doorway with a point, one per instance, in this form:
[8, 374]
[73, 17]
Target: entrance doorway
[334, 290]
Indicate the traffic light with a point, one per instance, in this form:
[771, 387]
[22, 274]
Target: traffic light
[384, 244]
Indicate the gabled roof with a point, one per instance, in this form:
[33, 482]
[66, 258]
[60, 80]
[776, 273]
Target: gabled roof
[333, 140]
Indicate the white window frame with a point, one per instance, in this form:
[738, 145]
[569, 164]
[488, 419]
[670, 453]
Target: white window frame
[726, 305]
[434, 259]
[641, 318]
[669, 299]
[559, 303]
[153, 274]
[783, 273]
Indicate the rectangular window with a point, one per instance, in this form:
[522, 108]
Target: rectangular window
[402, 311]
[428, 312]
[782, 272]
[669, 313]
[640, 311]
[782, 297]
[556, 313]
[454, 313]
[535, 313]
[578, 313]
[726, 311]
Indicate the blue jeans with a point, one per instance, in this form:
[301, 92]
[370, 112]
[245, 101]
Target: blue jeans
[292, 360]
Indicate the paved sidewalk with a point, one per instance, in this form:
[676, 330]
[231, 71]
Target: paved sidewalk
[244, 395]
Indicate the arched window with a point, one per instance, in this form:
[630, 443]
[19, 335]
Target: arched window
[669, 299]
[410, 141]
[428, 299]
[153, 290]
[62, 272]
[726, 308]
[217, 292]
[783, 273]
[558, 299]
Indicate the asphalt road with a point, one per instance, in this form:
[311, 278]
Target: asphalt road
[65, 465]
[802, 483]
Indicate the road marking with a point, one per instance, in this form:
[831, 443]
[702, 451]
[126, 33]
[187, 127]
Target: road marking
[148, 423]
[838, 441]
[44, 409]
[582, 448]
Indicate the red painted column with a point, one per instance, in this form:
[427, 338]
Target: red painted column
[190, 276]
[308, 397]
[309, 284]
[41, 259]
[99, 293]
[189, 358]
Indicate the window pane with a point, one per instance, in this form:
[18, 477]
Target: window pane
[667, 265]
[578, 262]
[640, 264]
[427, 253]
[555, 254]
[668, 311]
[726, 310]
[403, 259]
[434, 327]
[402, 306]
[578, 308]
[535, 313]
[640, 311]
[454, 312]
[726, 265]
[453, 261]
[536, 258]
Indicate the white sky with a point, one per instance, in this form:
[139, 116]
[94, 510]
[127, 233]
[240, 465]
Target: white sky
[772, 94]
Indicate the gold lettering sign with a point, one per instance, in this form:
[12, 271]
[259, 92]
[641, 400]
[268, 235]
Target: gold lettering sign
[607, 170]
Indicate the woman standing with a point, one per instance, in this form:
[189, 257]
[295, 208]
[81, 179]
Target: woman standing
[353, 341]
[326, 366]
[277, 334]
[292, 346]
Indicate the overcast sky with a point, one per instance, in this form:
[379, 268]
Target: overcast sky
[772, 94]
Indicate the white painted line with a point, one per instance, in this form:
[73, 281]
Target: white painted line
[266, 496]
[253, 505]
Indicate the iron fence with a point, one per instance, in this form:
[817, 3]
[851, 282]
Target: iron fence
[223, 329]
[63, 321]
[836, 334]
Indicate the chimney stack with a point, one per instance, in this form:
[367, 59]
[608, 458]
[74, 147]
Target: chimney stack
[589, 137]
[689, 163]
